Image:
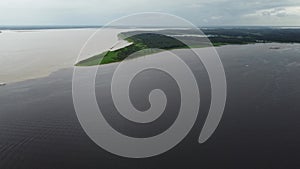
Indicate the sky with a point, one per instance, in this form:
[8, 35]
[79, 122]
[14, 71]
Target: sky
[199, 12]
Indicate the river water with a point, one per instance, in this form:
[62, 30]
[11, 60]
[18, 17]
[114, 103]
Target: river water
[260, 127]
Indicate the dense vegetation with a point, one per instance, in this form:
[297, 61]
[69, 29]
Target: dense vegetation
[145, 42]
[242, 35]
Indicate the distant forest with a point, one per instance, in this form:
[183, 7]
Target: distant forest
[254, 35]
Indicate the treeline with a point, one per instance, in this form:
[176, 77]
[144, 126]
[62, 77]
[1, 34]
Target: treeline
[254, 35]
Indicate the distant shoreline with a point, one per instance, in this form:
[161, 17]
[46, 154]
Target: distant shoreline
[20, 28]
[45, 27]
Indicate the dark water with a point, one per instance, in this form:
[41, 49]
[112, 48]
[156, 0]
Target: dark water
[260, 127]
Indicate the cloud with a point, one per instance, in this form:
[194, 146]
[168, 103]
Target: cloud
[199, 12]
[286, 15]
[279, 12]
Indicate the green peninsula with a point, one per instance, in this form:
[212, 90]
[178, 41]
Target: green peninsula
[141, 44]
[145, 42]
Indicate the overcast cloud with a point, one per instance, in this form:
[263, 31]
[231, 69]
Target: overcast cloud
[199, 12]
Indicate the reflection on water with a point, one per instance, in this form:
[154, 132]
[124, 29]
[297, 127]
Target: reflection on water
[260, 127]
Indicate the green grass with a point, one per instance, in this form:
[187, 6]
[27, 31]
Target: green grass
[143, 44]
[219, 43]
